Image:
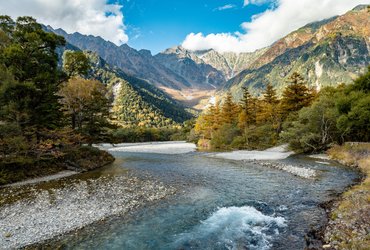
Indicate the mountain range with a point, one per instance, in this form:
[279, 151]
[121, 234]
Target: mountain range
[325, 53]
[328, 52]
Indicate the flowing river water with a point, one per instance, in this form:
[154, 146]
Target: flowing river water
[219, 204]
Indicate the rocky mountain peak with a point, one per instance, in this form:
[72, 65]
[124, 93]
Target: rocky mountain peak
[145, 52]
[361, 7]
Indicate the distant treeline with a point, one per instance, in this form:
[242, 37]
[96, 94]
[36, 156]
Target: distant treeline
[142, 134]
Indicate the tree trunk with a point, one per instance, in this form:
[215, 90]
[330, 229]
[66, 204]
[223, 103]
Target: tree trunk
[73, 120]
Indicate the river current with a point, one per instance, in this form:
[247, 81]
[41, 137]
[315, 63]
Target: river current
[220, 204]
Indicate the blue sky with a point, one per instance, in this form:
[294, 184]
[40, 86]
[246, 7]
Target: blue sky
[223, 25]
[160, 24]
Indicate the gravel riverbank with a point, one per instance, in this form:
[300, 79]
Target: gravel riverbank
[167, 147]
[48, 213]
[275, 153]
[61, 174]
[299, 171]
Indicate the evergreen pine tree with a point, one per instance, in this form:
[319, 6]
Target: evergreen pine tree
[296, 95]
[247, 106]
[30, 55]
[229, 110]
[268, 106]
[270, 96]
[75, 63]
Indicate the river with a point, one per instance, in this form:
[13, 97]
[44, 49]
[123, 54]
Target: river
[219, 204]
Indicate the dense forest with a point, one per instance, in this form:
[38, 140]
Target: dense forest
[47, 113]
[308, 120]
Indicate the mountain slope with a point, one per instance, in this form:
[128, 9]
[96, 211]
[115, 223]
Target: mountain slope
[135, 101]
[140, 64]
[222, 65]
[187, 65]
[229, 63]
[326, 53]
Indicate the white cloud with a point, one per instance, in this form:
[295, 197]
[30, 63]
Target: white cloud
[256, 2]
[222, 42]
[226, 7]
[271, 25]
[90, 17]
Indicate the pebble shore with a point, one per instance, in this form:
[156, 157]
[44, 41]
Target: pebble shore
[56, 211]
[299, 171]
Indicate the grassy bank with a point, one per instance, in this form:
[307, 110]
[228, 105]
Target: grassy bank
[349, 223]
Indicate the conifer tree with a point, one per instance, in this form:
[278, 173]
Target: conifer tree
[75, 63]
[229, 110]
[296, 95]
[208, 122]
[214, 117]
[29, 53]
[268, 109]
[270, 96]
[247, 106]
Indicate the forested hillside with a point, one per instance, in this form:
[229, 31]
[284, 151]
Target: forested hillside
[135, 102]
[55, 98]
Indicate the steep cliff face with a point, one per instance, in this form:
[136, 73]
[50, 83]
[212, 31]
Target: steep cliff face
[329, 52]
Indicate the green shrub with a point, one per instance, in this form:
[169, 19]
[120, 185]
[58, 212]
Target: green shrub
[239, 142]
[222, 138]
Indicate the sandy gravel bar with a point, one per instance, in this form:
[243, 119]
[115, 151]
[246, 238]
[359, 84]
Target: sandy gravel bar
[49, 213]
[61, 174]
[173, 147]
[275, 153]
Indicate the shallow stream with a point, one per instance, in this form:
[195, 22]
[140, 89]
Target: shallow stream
[220, 204]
